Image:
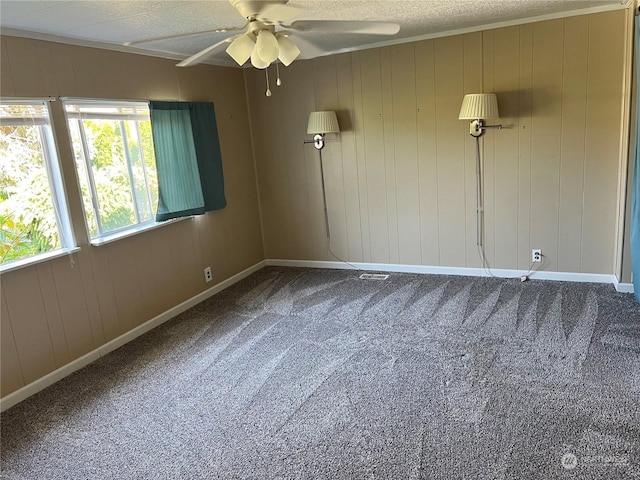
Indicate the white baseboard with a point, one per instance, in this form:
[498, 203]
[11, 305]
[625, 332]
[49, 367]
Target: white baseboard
[51, 378]
[463, 271]
[623, 287]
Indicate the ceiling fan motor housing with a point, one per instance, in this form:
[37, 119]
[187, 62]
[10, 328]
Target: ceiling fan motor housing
[256, 25]
[250, 9]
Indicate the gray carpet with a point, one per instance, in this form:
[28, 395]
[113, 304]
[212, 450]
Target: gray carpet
[303, 374]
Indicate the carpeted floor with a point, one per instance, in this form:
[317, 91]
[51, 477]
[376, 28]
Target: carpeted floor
[316, 374]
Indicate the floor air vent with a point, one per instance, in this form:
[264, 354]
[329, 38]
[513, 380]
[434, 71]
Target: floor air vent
[373, 276]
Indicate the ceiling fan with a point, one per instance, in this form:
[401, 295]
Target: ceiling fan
[266, 34]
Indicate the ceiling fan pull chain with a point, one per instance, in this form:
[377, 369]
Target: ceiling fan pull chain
[266, 73]
[278, 81]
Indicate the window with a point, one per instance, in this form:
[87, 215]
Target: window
[33, 211]
[113, 150]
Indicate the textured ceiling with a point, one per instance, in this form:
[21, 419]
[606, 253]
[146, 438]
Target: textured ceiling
[109, 24]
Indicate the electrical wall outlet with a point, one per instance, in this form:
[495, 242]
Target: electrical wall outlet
[207, 274]
[536, 255]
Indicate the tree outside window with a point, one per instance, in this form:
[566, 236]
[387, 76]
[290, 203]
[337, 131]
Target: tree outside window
[33, 218]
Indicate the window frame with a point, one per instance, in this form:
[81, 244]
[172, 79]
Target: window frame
[53, 168]
[105, 237]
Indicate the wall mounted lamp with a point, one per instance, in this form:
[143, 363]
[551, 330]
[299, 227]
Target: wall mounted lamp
[479, 107]
[321, 123]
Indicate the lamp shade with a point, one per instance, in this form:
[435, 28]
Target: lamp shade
[242, 48]
[288, 50]
[479, 106]
[323, 122]
[267, 46]
[257, 61]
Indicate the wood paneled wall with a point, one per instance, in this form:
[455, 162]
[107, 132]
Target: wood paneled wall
[56, 311]
[400, 177]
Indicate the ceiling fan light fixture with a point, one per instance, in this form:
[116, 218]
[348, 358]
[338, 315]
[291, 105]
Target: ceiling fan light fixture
[288, 50]
[257, 61]
[241, 48]
[267, 46]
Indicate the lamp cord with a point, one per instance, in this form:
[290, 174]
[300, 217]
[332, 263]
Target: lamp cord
[326, 215]
[480, 212]
[324, 196]
[479, 197]
[480, 217]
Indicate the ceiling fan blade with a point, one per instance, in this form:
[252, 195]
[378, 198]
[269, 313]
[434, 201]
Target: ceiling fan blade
[307, 48]
[277, 12]
[193, 59]
[345, 26]
[189, 34]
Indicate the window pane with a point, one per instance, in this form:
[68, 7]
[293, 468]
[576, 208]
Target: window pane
[113, 189]
[83, 177]
[139, 172]
[149, 163]
[29, 224]
[114, 155]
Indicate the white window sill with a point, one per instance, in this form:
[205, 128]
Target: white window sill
[43, 257]
[129, 232]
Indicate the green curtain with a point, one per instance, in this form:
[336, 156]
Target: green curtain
[187, 149]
